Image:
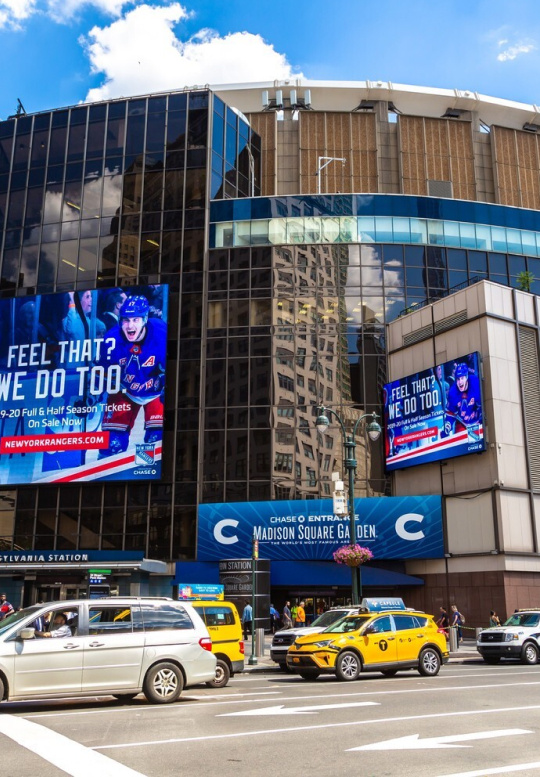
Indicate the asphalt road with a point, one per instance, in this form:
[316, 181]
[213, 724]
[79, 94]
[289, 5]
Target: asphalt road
[472, 719]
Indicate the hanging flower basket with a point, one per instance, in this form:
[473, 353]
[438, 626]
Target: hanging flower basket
[352, 555]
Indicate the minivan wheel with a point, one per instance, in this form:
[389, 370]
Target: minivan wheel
[429, 662]
[223, 674]
[163, 683]
[529, 654]
[348, 666]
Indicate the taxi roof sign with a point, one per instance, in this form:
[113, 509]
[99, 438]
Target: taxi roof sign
[380, 604]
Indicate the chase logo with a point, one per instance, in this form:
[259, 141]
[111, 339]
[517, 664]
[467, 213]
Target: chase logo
[145, 454]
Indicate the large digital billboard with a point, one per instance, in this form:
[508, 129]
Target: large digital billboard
[82, 379]
[434, 414]
[393, 527]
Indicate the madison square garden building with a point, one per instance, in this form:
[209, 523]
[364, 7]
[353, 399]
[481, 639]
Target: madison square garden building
[271, 232]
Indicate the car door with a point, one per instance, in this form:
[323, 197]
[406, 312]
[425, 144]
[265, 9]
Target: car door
[49, 665]
[380, 642]
[409, 637]
[113, 648]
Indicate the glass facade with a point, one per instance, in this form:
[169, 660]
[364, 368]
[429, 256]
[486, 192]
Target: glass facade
[116, 194]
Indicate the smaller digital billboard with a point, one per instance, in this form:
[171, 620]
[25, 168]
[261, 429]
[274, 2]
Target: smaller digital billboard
[434, 414]
[82, 380]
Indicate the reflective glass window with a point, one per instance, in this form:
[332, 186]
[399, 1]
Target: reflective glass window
[477, 263]
[34, 206]
[153, 191]
[76, 141]
[22, 149]
[57, 146]
[96, 139]
[114, 143]
[155, 132]
[516, 264]
[195, 188]
[197, 127]
[39, 148]
[6, 144]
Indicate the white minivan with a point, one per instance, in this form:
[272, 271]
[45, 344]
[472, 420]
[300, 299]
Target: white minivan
[113, 647]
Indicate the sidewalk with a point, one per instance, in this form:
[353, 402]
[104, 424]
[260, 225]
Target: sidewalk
[467, 652]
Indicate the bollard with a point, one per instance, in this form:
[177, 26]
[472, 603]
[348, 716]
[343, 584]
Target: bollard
[259, 642]
[478, 630]
[453, 638]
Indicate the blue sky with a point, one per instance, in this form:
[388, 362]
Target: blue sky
[61, 52]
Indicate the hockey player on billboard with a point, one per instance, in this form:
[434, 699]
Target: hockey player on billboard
[464, 406]
[140, 350]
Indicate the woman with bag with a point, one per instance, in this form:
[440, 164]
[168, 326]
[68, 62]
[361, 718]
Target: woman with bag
[457, 621]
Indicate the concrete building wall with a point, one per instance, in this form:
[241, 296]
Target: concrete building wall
[491, 508]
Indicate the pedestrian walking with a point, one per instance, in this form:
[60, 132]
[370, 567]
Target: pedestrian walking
[494, 619]
[300, 621]
[6, 608]
[286, 617]
[294, 609]
[247, 620]
[442, 620]
[274, 619]
[457, 622]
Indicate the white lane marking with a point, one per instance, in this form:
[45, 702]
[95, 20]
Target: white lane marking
[69, 756]
[236, 695]
[313, 727]
[413, 742]
[198, 700]
[282, 710]
[497, 770]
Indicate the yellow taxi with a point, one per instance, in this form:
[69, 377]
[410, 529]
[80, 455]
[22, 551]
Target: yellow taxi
[225, 629]
[371, 642]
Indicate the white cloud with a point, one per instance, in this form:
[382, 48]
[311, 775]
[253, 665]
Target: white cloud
[12, 12]
[514, 51]
[65, 10]
[140, 53]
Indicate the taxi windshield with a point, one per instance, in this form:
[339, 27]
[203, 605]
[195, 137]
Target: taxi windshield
[351, 623]
[15, 617]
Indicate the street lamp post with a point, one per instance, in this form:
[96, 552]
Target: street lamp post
[350, 463]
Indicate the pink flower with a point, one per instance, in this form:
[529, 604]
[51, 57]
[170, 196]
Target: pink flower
[352, 555]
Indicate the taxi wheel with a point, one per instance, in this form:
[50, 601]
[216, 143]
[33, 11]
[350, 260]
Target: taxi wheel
[348, 666]
[429, 663]
[529, 654]
[309, 674]
[163, 683]
[223, 674]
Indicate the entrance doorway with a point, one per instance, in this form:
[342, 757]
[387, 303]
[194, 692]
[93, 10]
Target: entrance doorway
[38, 591]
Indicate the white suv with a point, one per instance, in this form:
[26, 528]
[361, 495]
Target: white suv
[113, 647]
[283, 639]
[518, 638]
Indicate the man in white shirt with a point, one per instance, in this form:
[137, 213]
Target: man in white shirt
[59, 629]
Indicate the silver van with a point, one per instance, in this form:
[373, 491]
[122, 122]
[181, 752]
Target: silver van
[106, 647]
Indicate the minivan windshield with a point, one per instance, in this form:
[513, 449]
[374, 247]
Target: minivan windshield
[329, 617]
[350, 623]
[15, 617]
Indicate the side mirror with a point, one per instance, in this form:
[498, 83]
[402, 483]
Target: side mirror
[368, 630]
[27, 633]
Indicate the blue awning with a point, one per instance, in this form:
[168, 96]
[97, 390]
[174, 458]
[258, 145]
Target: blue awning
[319, 574]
